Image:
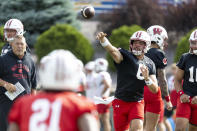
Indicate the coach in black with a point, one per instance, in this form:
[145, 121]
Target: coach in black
[15, 67]
[134, 71]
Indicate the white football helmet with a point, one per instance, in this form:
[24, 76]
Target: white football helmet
[101, 65]
[90, 66]
[157, 32]
[80, 64]
[193, 42]
[141, 36]
[14, 24]
[59, 71]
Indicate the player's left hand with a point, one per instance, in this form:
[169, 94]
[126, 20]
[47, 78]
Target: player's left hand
[169, 105]
[194, 100]
[145, 72]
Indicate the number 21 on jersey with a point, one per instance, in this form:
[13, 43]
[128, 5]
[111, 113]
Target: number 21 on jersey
[41, 112]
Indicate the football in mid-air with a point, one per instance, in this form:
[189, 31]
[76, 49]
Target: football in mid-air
[88, 12]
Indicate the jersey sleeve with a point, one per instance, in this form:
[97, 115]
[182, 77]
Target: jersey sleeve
[125, 54]
[14, 114]
[162, 60]
[158, 57]
[181, 62]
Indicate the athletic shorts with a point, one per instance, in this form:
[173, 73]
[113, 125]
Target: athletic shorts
[103, 108]
[187, 110]
[124, 112]
[153, 102]
[173, 97]
[168, 113]
[162, 112]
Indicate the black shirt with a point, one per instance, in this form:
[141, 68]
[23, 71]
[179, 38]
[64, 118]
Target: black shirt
[188, 63]
[13, 70]
[158, 57]
[130, 86]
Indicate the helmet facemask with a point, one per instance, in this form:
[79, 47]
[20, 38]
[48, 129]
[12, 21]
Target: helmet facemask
[140, 36]
[137, 52]
[193, 47]
[193, 42]
[157, 39]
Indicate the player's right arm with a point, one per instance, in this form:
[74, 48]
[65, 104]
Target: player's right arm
[112, 50]
[151, 79]
[178, 85]
[88, 122]
[178, 79]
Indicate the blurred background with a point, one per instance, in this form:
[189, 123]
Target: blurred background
[58, 24]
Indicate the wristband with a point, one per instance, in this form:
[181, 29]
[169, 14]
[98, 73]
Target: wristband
[180, 92]
[106, 43]
[167, 98]
[148, 82]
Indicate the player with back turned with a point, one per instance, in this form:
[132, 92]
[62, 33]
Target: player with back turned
[58, 107]
[154, 107]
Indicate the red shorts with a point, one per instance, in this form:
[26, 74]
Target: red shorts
[173, 97]
[124, 112]
[153, 102]
[187, 110]
[102, 108]
[161, 113]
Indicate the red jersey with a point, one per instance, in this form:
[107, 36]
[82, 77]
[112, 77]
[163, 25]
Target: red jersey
[51, 111]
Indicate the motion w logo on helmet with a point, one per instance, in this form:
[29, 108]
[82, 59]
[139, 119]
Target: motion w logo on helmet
[138, 34]
[157, 31]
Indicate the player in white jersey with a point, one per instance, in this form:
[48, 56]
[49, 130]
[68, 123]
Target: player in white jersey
[103, 85]
[90, 80]
[82, 75]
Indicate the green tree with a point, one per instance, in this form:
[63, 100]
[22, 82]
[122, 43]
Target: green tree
[63, 36]
[38, 15]
[120, 38]
[183, 46]
[1, 38]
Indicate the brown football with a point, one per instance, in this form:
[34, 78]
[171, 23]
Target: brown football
[88, 12]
